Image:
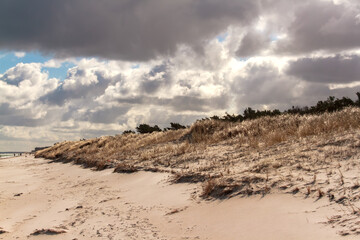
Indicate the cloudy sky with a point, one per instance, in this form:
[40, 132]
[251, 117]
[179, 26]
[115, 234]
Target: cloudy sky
[72, 69]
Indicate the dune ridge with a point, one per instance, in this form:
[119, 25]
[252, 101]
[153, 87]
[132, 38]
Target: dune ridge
[315, 156]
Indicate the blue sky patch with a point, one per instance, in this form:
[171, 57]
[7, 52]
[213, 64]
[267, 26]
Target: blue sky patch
[9, 60]
[135, 66]
[61, 72]
[222, 37]
[242, 59]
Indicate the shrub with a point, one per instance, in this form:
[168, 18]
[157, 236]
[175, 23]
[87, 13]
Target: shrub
[175, 126]
[128, 132]
[145, 128]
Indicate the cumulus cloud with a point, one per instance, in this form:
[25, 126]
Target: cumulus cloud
[102, 97]
[20, 54]
[17, 117]
[263, 85]
[158, 77]
[106, 115]
[21, 87]
[53, 63]
[88, 79]
[24, 83]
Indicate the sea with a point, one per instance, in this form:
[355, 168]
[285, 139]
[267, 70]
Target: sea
[9, 154]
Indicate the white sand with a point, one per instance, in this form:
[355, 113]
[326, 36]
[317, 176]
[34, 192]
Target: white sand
[105, 205]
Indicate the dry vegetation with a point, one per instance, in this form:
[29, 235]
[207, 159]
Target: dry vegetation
[48, 231]
[313, 155]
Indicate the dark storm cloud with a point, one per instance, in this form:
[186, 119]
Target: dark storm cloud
[322, 25]
[314, 92]
[338, 69]
[189, 103]
[252, 44]
[180, 103]
[118, 29]
[19, 117]
[108, 115]
[263, 85]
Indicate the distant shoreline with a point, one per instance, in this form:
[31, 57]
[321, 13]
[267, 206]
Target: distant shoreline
[10, 154]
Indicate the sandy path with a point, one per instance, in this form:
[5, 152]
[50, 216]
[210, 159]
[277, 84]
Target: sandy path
[36, 194]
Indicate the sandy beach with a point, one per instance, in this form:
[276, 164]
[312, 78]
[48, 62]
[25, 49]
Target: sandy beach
[40, 199]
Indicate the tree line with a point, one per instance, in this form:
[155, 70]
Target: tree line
[146, 128]
[332, 104]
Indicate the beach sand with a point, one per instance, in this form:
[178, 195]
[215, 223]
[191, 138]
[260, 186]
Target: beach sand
[40, 199]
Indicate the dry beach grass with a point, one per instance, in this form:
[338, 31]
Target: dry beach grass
[315, 156]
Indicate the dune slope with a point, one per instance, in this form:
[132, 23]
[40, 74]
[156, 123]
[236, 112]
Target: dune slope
[311, 156]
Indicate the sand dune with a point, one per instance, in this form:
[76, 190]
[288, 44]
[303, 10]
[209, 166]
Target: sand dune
[44, 200]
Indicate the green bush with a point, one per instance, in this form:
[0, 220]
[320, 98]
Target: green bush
[128, 132]
[145, 128]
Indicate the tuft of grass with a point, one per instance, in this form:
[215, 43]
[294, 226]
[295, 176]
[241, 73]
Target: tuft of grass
[320, 193]
[341, 177]
[103, 164]
[48, 231]
[125, 168]
[209, 187]
[189, 177]
[295, 190]
[308, 190]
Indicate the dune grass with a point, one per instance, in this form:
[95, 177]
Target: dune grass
[256, 134]
[253, 156]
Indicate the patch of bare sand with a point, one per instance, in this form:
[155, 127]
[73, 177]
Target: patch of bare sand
[42, 200]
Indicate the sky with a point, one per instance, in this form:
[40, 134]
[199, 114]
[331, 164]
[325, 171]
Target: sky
[73, 69]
